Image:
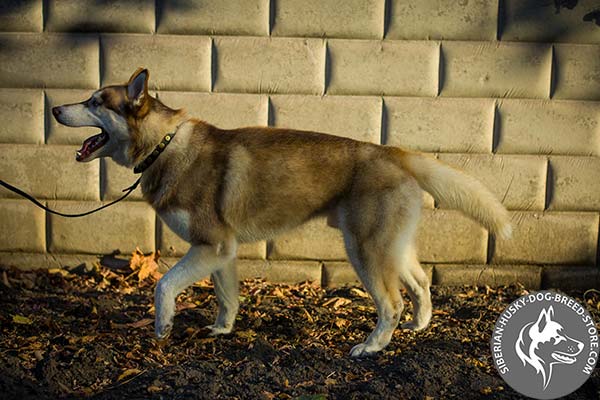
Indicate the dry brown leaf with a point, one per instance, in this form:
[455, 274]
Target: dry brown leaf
[128, 373]
[153, 389]
[341, 322]
[337, 302]
[359, 293]
[141, 323]
[19, 319]
[145, 265]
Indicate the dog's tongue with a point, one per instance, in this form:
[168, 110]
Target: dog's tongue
[90, 145]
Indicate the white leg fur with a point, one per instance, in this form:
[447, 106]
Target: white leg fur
[227, 291]
[416, 283]
[199, 262]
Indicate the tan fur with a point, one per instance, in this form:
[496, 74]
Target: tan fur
[249, 184]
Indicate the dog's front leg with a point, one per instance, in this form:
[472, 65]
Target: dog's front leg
[227, 291]
[199, 262]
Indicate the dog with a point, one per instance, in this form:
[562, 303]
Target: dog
[217, 188]
[543, 344]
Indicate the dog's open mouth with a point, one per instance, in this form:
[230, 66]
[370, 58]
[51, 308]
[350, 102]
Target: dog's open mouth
[563, 358]
[91, 145]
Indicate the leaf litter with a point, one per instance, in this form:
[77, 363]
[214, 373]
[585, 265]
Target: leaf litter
[88, 332]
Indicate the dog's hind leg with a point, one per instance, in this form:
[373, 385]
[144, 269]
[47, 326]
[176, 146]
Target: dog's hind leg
[199, 262]
[380, 278]
[415, 281]
[385, 291]
[227, 291]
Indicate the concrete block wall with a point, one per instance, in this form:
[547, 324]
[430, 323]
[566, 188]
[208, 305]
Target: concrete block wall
[507, 90]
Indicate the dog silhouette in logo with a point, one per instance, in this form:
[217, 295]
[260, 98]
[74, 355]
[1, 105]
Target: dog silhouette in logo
[543, 344]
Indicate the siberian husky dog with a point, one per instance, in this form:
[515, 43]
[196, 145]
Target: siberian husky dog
[217, 188]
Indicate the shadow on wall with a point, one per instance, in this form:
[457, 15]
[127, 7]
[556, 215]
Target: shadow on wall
[591, 16]
[14, 7]
[548, 20]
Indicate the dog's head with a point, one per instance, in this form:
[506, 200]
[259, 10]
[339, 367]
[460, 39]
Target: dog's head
[544, 343]
[128, 118]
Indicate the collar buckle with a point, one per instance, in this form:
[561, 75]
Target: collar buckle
[147, 162]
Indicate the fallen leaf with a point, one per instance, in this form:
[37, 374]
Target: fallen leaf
[141, 323]
[59, 271]
[359, 293]
[485, 390]
[128, 372]
[341, 322]
[19, 319]
[145, 266]
[337, 302]
[153, 389]
[249, 334]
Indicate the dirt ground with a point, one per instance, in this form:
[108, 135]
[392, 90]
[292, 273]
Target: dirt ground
[90, 334]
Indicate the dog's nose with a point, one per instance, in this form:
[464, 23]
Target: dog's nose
[56, 111]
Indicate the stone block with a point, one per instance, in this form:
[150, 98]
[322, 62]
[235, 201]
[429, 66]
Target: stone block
[564, 277]
[336, 273]
[446, 19]
[269, 65]
[575, 183]
[206, 17]
[122, 227]
[225, 110]
[492, 275]
[577, 71]
[440, 124]
[496, 69]
[447, 236]
[174, 62]
[518, 181]
[33, 261]
[356, 117]
[115, 178]
[373, 67]
[280, 271]
[49, 60]
[48, 172]
[100, 16]
[21, 16]
[22, 116]
[550, 238]
[329, 18]
[339, 273]
[548, 127]
[22, 226]
[313, 241]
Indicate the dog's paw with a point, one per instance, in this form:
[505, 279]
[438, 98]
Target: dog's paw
[363, 350]
[215, 330]
[163, 330]
[414, 326]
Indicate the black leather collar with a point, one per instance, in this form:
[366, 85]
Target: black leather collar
[147, 162]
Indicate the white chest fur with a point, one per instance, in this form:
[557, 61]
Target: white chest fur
[178, 221]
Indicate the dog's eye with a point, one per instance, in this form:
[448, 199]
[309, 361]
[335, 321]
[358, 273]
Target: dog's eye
[558, 339]
[94, 102]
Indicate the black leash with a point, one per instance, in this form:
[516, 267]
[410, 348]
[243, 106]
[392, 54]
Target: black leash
[138, 170]
[37, 203]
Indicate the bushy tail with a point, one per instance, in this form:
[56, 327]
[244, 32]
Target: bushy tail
[455, 189]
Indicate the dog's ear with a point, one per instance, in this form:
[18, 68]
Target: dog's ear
[544, 318]
[137, 87]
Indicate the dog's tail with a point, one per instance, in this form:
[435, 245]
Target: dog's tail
[454, 189]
